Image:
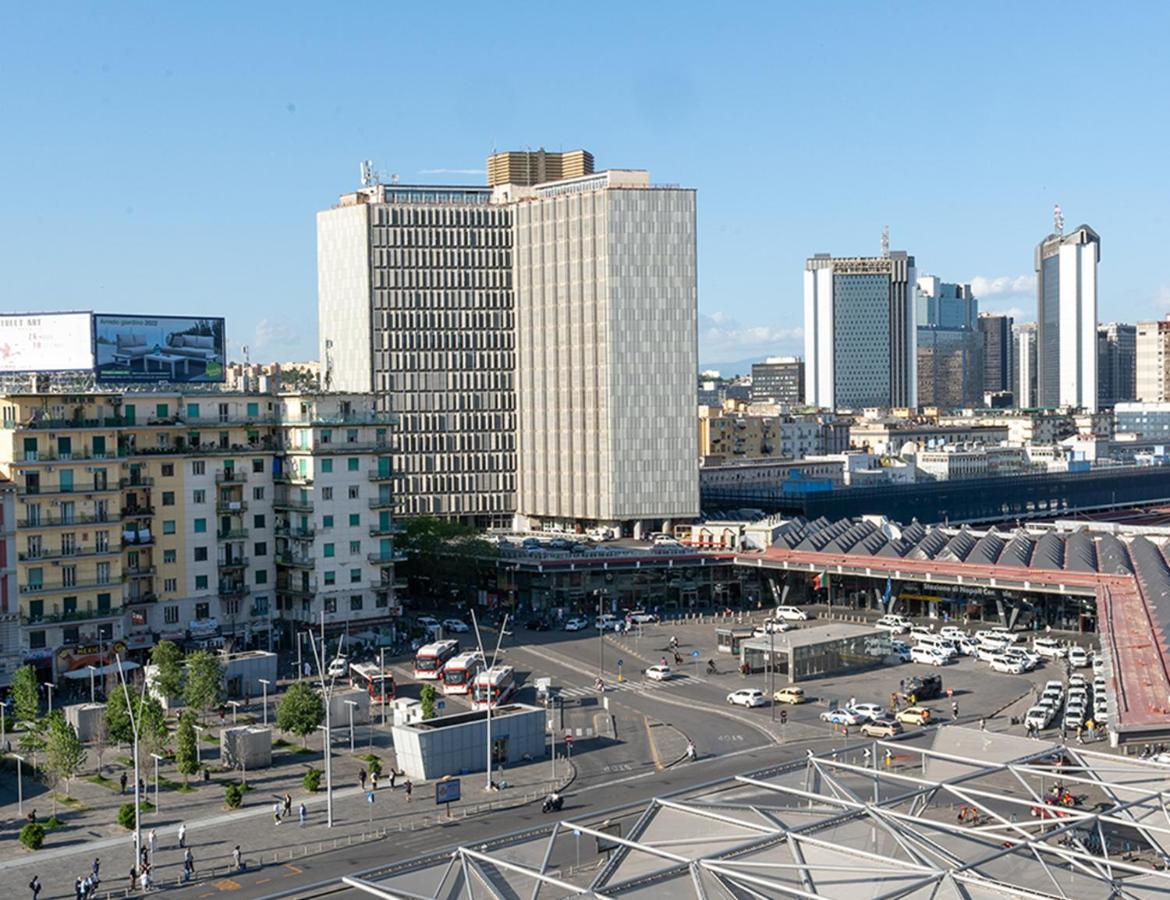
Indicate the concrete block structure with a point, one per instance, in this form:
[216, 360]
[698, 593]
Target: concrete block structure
[451, 745]
[88, 719]
[339, 708]
[246, 746]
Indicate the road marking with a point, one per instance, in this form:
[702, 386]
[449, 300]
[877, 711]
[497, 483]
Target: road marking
[226, 884]
[262, 880]
[653, 747]
[293, 870]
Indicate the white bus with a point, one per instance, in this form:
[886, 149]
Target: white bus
[492, 687]
[377, 683]
[431, 658]
[459, 671]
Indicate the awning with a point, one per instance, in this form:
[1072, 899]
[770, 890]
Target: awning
[101, 670]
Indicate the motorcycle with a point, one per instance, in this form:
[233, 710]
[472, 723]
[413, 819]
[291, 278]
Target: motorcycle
[552, 803]
[711, 670]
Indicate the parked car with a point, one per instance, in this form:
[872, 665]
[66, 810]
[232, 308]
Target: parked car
[790, 694]
[577, 623]
[869, 710]
[559, 544]
[952, 632]
[607, 622]
[884, 727]
[924, 687]
[1030, 659]
[1006, 634]
[426, 622]
[791, 613]
[1077, 657]
[915, 715]
[659, 673]
[1039, 716]
[918, 632]
[747, 697]
[338, 667]
[456, 625]
[841, 717]
[1049, 648]
[771, 626]
[893, 624]
[901, 650]
[928, 655]
[536, 624]
[641, 617]
[1008, 665]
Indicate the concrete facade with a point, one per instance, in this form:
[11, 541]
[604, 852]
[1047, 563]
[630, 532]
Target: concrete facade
[1152, 361]
[1066, 319]
[452, 745]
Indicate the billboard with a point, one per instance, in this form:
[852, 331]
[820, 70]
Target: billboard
[158, 348]
[45, 342]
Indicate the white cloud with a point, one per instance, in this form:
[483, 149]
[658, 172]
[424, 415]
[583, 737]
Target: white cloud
[982, 286]
[1162, 300]
[721, 337]
[273, 337]
[450, 171]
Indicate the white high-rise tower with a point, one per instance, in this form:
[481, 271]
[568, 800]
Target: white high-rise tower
[1066, 318]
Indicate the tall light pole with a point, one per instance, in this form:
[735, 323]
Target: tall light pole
[264, 682]
[19, 785]
[382, 681]
[350, 704]
[235, 705]
[327, 693]
[490, 697]
[92, 672]
[157, 760]
[49, 691]
[772, 664]
[137, 778]
[600, 637]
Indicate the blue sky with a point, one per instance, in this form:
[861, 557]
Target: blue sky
[171, 158]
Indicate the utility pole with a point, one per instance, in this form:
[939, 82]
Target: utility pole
[137, 778]
[327, 693]
[264, 682]
[382, 681]
[600, 637]
[350, 704]
[772, 664]
[490, 697]
[19, 785]
[92, 671]
[157, 758]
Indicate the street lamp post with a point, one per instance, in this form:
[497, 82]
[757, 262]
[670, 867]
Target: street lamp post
[49, 691]
[300, 643]
[327, 692]
[92, 672]
[490, 696]
[382, 681]
[600, 636]
[19, 785]
[157, 760]
[264, 682]
[350, 704]
[772, 664]
[235, 705]
[137, 776]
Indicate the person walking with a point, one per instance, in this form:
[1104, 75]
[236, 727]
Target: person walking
[276, 808]
[35, 887]
[982, 724]
[147, 881]
[237, 859]
[287, 804]
[954, 710]
[123, 781]
[133, 879]
[394, 773]
[188, 865]
[362, 778]
[152, 842]
[373, 781]
[78, 890]
[182, 835]
[690, 750]
[409, 789]
[301, 814]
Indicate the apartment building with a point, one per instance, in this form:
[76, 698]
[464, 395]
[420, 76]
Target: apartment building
[10, 657]
[151, 515]
[1152, 361]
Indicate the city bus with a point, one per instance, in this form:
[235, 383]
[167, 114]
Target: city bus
[492, 687]
[431, 658]
[371, 679]
[459, 671]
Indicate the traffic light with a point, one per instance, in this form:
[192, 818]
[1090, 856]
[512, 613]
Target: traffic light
[783, 717]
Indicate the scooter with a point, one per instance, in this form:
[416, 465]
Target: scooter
[711, 670]
[552, 803]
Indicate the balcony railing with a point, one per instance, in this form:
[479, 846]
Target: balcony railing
[382, 503]
[231, 476]
[48, 521]
[292, 559]
[147, 597]
[383, 559]
[293, 505]
[231, 534]
[349, 446]
[64, 588]
[34, 456]
[300, 534]
[339, 419]
[139, 540]
[287, 477]
[382, 530]
[137, 512]
[76, 615]
[82, 487]
[376, 474]
[231, 507]
[49, 553]
[139, 572]
[228, 589]
[47, 424]
[236, 562]
[294, 590]
[140, 481]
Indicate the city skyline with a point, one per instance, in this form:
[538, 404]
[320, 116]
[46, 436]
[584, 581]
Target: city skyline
[176, 151]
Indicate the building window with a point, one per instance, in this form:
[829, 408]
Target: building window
[257, 464]
[355, 519]
[199, 496]
[103, 573]
[168, 498]
[70, 635]
[168, 526]
[351, 435]
[381, 600]
[328, 551]
[200, 525]
[202, 610]
[330, 604]
[168, 470]
[257, 493]
[170, 557]
[258, 521]
[171, 615]
[327, 521]
[36, 640]
[260, 548]
[200, 554]
[326, 466]
[200, 582]
[353, 464]
[198, 467]
[68, 576]
[355, 576]
[170, 585]
[326, 493]
[355, 548]
[355, 603]
[330, 577]
[354, 492]
[260, 604]
[261, 576]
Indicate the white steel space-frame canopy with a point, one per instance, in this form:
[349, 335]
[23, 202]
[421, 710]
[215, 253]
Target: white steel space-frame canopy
[875, 819]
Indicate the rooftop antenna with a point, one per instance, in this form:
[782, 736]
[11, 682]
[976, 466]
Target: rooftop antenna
[1057, 220]
[369, 176]
[885, 242]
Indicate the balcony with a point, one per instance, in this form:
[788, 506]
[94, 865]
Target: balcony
[64, 588]
[138, 599]
[58, 521]
[299, 534]
[230, 476]
[293, 505]
[76, 615]
[140, 572]
[294, 560]
[287, 477]
[231, 507]
[384, 530]
[137, 512]
[350, 447]
[367, 417]
[47, 424]
[232, 534]
[82, 487]
[139, 539]
[139, 481]
[228, 419]
[385, 559]
[382, 503]
[39, 456]
[233, 589]
[79, 552]
[376, 474]
[236, 562]
[301, 592]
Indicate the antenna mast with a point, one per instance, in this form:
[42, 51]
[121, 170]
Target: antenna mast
[885, 242]
[1057, 220]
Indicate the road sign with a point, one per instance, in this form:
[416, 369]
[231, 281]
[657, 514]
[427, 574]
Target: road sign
[447, 791]
[440, 704]
[696, 654]
[370, 797]
[620, 661]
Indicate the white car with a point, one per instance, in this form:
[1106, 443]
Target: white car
[987, 652]
[1054, 685]
[966, 645]
[1039, 716]
[426, 622]
[1007, 664]
[747, 697]
[791, 613]
[1098, 664]
[606, 622]
[659, 673]
[901, 650]
[1006, 634]
[576, 624]
[338, 668]
[869, 710]
[952, 632]
[841, 717]
[1027, 657]
[893, 624]
[1077, 657]
[918, 632]
[928, 655]
[771, 626]
[641, 617]
[456, 625]
[1048, 648]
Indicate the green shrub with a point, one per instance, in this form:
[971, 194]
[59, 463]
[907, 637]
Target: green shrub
[374, 765]
[126, 816]
[312, 779]
[233, 796]
[53, 823]
[33, 835]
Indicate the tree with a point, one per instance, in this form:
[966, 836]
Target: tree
[186, 750]
[312, 779]
[152, 722]
[64, 752]
[233, 796]
[167, 656]
[26, 697]
[204, 688]
[300, 711]
[426, 698]
[117, 717]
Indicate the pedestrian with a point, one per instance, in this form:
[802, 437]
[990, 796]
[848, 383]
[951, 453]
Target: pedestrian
[954, 709]
[276, 808]
[133, 878]
[373, 781]
[188, 865]
[147, 881]
[394, 773]
[237, 859]
[362, 778]
[182, 835]
[690, 750]
[35, 886]
[982, 724]
[123, 781]
[962, 813]
[1080, 735]
[96, 869]
[302, 813]
[852, 702]
[152, 840]
[287, 804]
[144, 858]
[409, 789]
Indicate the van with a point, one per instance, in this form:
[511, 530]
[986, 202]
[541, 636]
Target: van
[928, 655]
[663, 538]
[893, 624]
[791, 613]
[939, 643]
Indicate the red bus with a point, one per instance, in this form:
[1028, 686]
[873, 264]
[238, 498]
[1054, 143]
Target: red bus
[459, 671]
[492, 687]
[431, 658]
[368, 677]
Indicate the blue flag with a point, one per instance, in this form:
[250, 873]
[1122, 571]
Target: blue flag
[886, 595]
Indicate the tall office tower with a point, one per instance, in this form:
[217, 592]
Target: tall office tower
[1152, 346]
[606, 351]
[1024, 364]
[996, 333]
[1066, 317]
[1116, 364]
[528, 167]
[415, 304]
[859, 335]
[950, 368]
[779, 379]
